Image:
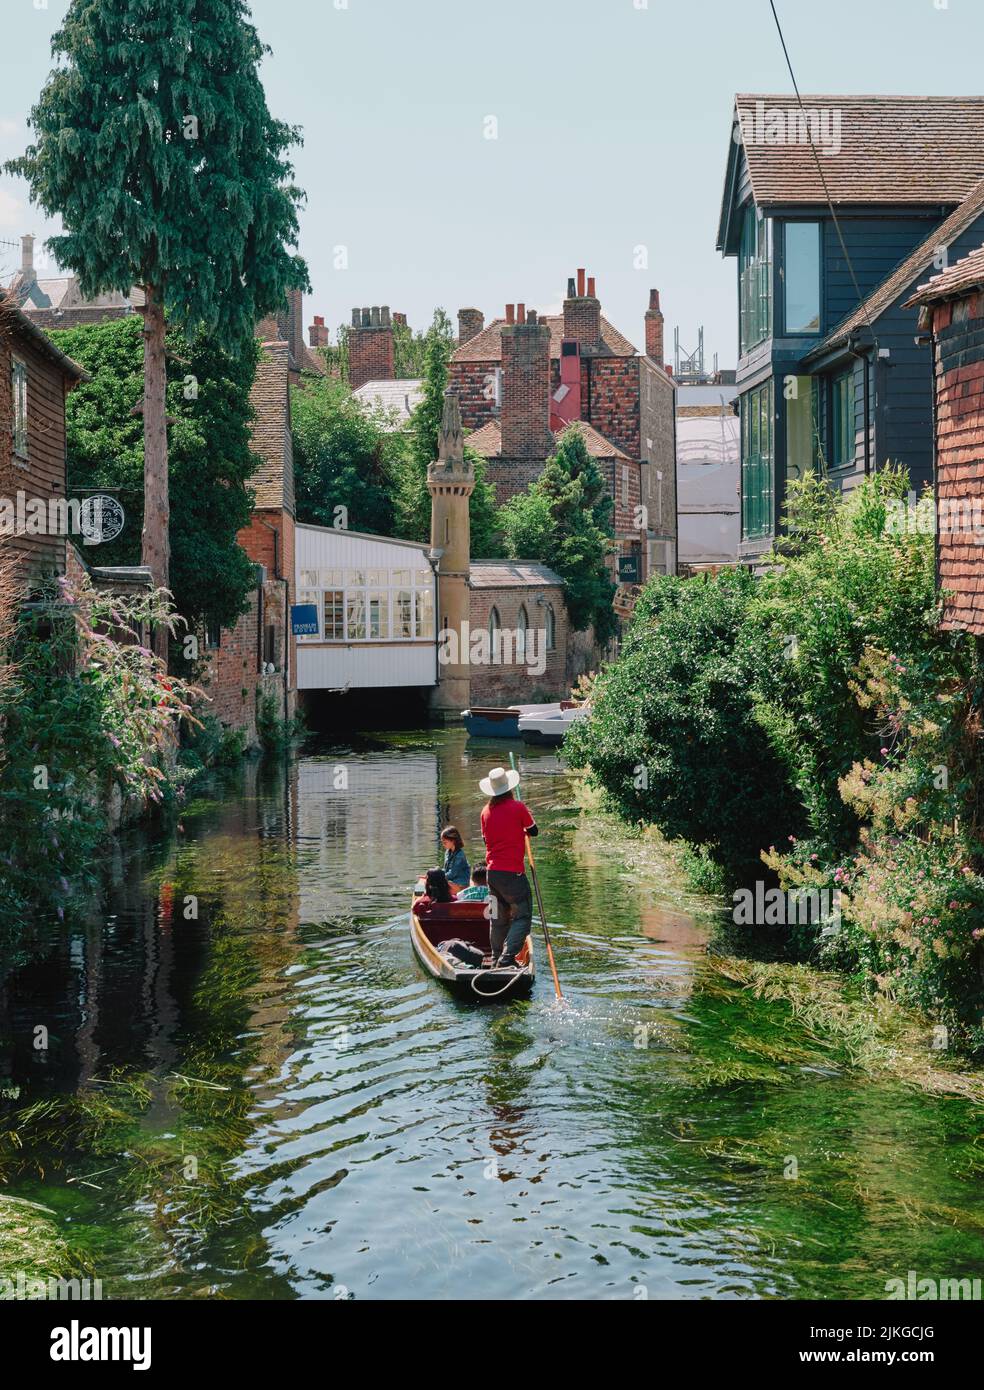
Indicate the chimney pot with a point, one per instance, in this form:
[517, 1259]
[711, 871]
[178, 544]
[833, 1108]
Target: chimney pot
[580, 282]
[520, 313]
[571, 288]
[654, 299]
[366, 317]
[371, 352]
[384, 316]
[356, 318]
[591, 287]
[27, 256]
[510, 313]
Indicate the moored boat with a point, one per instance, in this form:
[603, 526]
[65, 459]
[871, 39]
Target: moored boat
[551, 727]
[466, 922]
[500, 721]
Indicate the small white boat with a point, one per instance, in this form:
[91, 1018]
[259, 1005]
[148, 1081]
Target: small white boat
[550, 728]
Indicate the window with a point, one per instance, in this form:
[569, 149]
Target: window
[270, 645]
[522, 627]
[18, 379]
[334, 608]
[755, 278]
[842, 420]
[213, 636]
[625, 484]
[379, 615]
[372, 605]
[551, 627]
[801, 277]
[757, 489]
[494, 626]
[802, 441]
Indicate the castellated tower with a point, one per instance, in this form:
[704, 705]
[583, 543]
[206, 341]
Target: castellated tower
[451, 482]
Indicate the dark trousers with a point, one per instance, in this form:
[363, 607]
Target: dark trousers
[512, 911]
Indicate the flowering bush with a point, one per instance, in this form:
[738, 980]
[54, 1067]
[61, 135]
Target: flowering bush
[87, 709]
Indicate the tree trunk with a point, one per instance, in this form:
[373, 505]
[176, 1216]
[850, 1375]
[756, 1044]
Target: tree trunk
[155, 540]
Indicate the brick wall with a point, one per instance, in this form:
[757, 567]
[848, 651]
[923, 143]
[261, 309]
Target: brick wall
[657, 398]
[233, 673]
[512, 684]
[472, 382]
[525, 415]
[959, 329]
[613, 399]
[370, 347]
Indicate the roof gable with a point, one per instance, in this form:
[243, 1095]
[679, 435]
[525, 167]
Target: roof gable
[881, 150]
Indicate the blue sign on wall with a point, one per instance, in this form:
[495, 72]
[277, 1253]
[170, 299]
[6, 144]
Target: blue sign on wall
[304, 619]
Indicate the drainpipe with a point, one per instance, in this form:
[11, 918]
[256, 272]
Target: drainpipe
[860, 346]
[926, 337]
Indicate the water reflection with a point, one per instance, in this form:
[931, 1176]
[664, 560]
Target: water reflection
[357, 1132]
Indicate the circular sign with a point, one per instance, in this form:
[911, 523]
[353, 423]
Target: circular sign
[101, 519]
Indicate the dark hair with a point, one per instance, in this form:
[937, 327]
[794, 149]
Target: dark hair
[436, 886]
[479, 873]
[503, 796]
[451, 832]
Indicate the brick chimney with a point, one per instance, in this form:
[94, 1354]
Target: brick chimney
[318, 333]
[654, 329]
[525, 415]
[582, 313]
[470, 324]
[370, 346]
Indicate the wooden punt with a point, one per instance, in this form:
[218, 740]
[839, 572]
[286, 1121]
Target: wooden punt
[467, 922]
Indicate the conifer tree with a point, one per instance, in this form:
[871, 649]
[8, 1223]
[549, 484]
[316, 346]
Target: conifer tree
[154, 145]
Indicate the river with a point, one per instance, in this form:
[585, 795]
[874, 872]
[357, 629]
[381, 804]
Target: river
[250, 1088]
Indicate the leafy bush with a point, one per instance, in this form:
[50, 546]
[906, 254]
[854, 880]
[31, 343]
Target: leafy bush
[86, 711]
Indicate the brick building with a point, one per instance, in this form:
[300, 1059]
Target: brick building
[35, 379]
[524, 378]
[952, 312]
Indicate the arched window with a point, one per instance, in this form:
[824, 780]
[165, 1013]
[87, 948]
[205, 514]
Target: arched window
[550, 623]
[522, 627]
[494, 626]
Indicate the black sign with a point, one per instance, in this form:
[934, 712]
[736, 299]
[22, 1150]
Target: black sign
[628, 569]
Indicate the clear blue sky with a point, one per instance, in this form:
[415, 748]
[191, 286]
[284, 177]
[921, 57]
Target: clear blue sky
[613, 126]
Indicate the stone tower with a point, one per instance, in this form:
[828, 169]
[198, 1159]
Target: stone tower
[450, 482]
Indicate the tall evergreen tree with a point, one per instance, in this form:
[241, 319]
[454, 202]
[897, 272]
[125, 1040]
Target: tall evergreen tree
[154, 144]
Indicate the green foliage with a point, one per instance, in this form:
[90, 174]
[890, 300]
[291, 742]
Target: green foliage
[673, 738]
[209, 459]
[563, 519]
[84, 713]
[821, 709]
[154, 146]
[342, 458]
[276, 735]
[211, 744]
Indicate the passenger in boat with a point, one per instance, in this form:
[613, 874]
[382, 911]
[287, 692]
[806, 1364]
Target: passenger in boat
[505, 824]
[455, 864]
[436, 891]
[478, 891]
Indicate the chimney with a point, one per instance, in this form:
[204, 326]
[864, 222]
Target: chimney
[27, 258]
[470, 324]
[654, 329]
[525, 415]
[582, 314]
[400, 319]
[318, 333]
[370, 345]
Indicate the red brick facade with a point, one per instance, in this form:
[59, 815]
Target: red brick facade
[32, 462]
[512, 683]
[958, 328]
[370, 346]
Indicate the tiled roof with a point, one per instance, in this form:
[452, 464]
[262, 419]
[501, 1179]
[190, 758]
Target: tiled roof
[396, 398]
[965, 274]
[273, 480]
[488, 441]
[487, 345]
[511, 574]
[892, 149]
[24, 323]
[919, 260]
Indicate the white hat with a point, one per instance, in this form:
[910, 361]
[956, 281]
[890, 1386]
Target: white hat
[499, 780]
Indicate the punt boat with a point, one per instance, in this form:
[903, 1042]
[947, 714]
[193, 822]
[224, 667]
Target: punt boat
[466, 921]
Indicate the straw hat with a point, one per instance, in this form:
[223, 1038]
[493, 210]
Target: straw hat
[499, 780]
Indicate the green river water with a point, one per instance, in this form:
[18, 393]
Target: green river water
[270, 1099]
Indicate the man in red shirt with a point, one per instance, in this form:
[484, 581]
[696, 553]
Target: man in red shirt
[505, 824]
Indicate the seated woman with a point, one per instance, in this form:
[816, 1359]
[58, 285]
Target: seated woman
[455, 864]
[479, 890]
[436, 892]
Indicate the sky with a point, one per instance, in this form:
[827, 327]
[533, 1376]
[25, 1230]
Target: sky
[610, 122]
